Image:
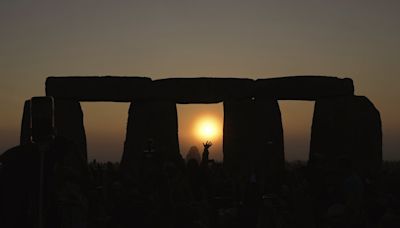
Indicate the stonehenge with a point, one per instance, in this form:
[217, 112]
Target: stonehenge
[346, 133]
[346, 128]
[156, 121]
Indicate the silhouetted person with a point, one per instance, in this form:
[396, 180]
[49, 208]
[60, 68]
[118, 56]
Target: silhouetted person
[193, 153]
[206, 153]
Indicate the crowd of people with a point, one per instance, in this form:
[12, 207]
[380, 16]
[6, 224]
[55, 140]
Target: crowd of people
[205, 196]
[199, 193]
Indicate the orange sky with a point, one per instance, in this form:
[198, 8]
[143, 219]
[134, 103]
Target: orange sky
[106, 138]
[188, 117]
[161, 39]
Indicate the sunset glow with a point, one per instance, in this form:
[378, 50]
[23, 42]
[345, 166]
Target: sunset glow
[207, 128]
[199, 123]
[159, 40]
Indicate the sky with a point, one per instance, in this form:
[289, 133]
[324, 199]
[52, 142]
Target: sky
[359, 39]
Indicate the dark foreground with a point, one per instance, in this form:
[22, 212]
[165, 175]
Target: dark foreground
[198, 194]
[208, 198]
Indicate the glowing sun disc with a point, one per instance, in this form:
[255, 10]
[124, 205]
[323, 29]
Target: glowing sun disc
[207, 128]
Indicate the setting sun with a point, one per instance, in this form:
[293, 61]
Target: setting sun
[207, 128]
[199, 123]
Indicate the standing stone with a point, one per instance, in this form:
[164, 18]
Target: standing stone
[68, 118]
[346, 134]
[26, 131]
[270, 147]
[253, 141]
[238, 137]
[156, 121]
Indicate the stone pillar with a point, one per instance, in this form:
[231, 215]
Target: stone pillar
[155, 120]
[26, 132]
[346, 134]
[269, 140]
[253, 141]
[238, 137]
[68, 118]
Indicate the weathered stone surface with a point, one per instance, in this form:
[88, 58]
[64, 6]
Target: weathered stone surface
[26, 131]
[106, 88]
[202, 90]
[253, 141]
[303, 87]
[156, 121]
[69, 123]
[346, 135]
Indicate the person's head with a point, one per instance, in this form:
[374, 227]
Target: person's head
[193, 153]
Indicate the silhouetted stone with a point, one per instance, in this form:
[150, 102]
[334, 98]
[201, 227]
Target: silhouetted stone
[253, 141]
[26, 131]
[106, 88]
[238, 141]
[202, 90]
[19, 182]
[346, 135]
[156, 121]
[303, 87]
[270, 147]
[69, 123]
[63, 167]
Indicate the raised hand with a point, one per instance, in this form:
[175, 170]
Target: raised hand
[207, 145]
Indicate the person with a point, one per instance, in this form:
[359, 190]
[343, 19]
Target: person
[205, 155]
[193, 154]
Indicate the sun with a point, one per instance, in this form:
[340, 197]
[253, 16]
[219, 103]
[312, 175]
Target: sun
[206, 128]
